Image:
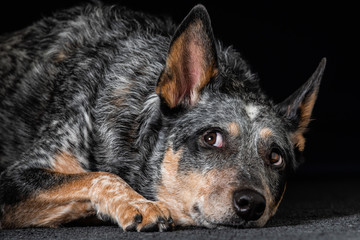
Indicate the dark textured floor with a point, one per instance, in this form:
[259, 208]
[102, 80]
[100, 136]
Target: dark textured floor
[313, 208]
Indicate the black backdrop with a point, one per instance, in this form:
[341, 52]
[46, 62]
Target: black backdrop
[283, 42]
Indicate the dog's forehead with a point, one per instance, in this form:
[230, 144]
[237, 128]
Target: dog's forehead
[226, 109]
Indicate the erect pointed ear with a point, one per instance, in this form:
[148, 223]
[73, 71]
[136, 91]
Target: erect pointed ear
[298, 107]
[191, 60]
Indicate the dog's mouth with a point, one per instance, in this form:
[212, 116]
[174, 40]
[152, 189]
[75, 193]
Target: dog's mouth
[228, 220]
[234, 223]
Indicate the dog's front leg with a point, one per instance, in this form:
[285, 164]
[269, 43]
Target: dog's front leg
[67, 197]
[113, 197]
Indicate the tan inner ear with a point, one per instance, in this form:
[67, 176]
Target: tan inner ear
[169, 80]
[188, 67]
[305, 110]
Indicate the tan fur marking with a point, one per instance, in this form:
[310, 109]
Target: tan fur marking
[84, 195]
[43, 214]
[51, 208]
[266, 133]
[114, 197]
[234, 129]
[60, 56]
[305, 111]
[180, 192]
[269, 204]
[169, 183]
[298, 140]
[278, 203]
[67, 163]
[219, 186]
[272, 206]
[119, 95]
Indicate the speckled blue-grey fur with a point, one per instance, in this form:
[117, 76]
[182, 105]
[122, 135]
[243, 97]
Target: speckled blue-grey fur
[84, 79]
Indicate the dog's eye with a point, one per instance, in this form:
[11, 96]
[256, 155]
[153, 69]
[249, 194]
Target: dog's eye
[275, 158]
[214, 139]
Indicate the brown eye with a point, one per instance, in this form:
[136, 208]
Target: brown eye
[214, 139]
[275, 158]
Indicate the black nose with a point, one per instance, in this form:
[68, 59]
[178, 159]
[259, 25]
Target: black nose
[249, 204]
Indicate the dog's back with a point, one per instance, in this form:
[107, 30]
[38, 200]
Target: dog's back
[66, 60]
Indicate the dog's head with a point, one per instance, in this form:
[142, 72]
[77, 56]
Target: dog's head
[229, 148]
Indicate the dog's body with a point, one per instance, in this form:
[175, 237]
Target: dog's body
[112, 112]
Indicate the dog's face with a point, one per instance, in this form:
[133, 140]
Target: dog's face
[229, 149]
[226, 165]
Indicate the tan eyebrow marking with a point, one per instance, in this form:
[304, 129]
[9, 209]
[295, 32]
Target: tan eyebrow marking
[234, 129]
[266, 133]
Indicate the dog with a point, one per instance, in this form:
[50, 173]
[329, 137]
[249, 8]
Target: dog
[111, 112]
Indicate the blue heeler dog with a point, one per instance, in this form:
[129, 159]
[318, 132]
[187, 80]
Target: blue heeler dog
[110, 112]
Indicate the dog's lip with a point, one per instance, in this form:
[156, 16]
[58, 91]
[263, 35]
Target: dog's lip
[231, 225]
[234, 222]
[237, 223]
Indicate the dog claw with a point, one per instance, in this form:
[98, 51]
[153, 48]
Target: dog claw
[138, 218]
[161, 220]
[150, 228]
[131, 228]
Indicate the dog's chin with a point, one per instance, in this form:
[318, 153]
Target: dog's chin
[235, 222]
[229, 224]
[203, 221]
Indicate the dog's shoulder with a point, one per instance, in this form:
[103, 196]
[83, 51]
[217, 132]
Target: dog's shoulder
[87, 24]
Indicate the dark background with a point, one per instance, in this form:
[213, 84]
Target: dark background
[283, 42]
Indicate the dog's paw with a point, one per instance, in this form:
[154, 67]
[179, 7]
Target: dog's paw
[144, 215]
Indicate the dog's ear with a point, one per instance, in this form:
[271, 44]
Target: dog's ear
[297, 108]
[191, 61]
